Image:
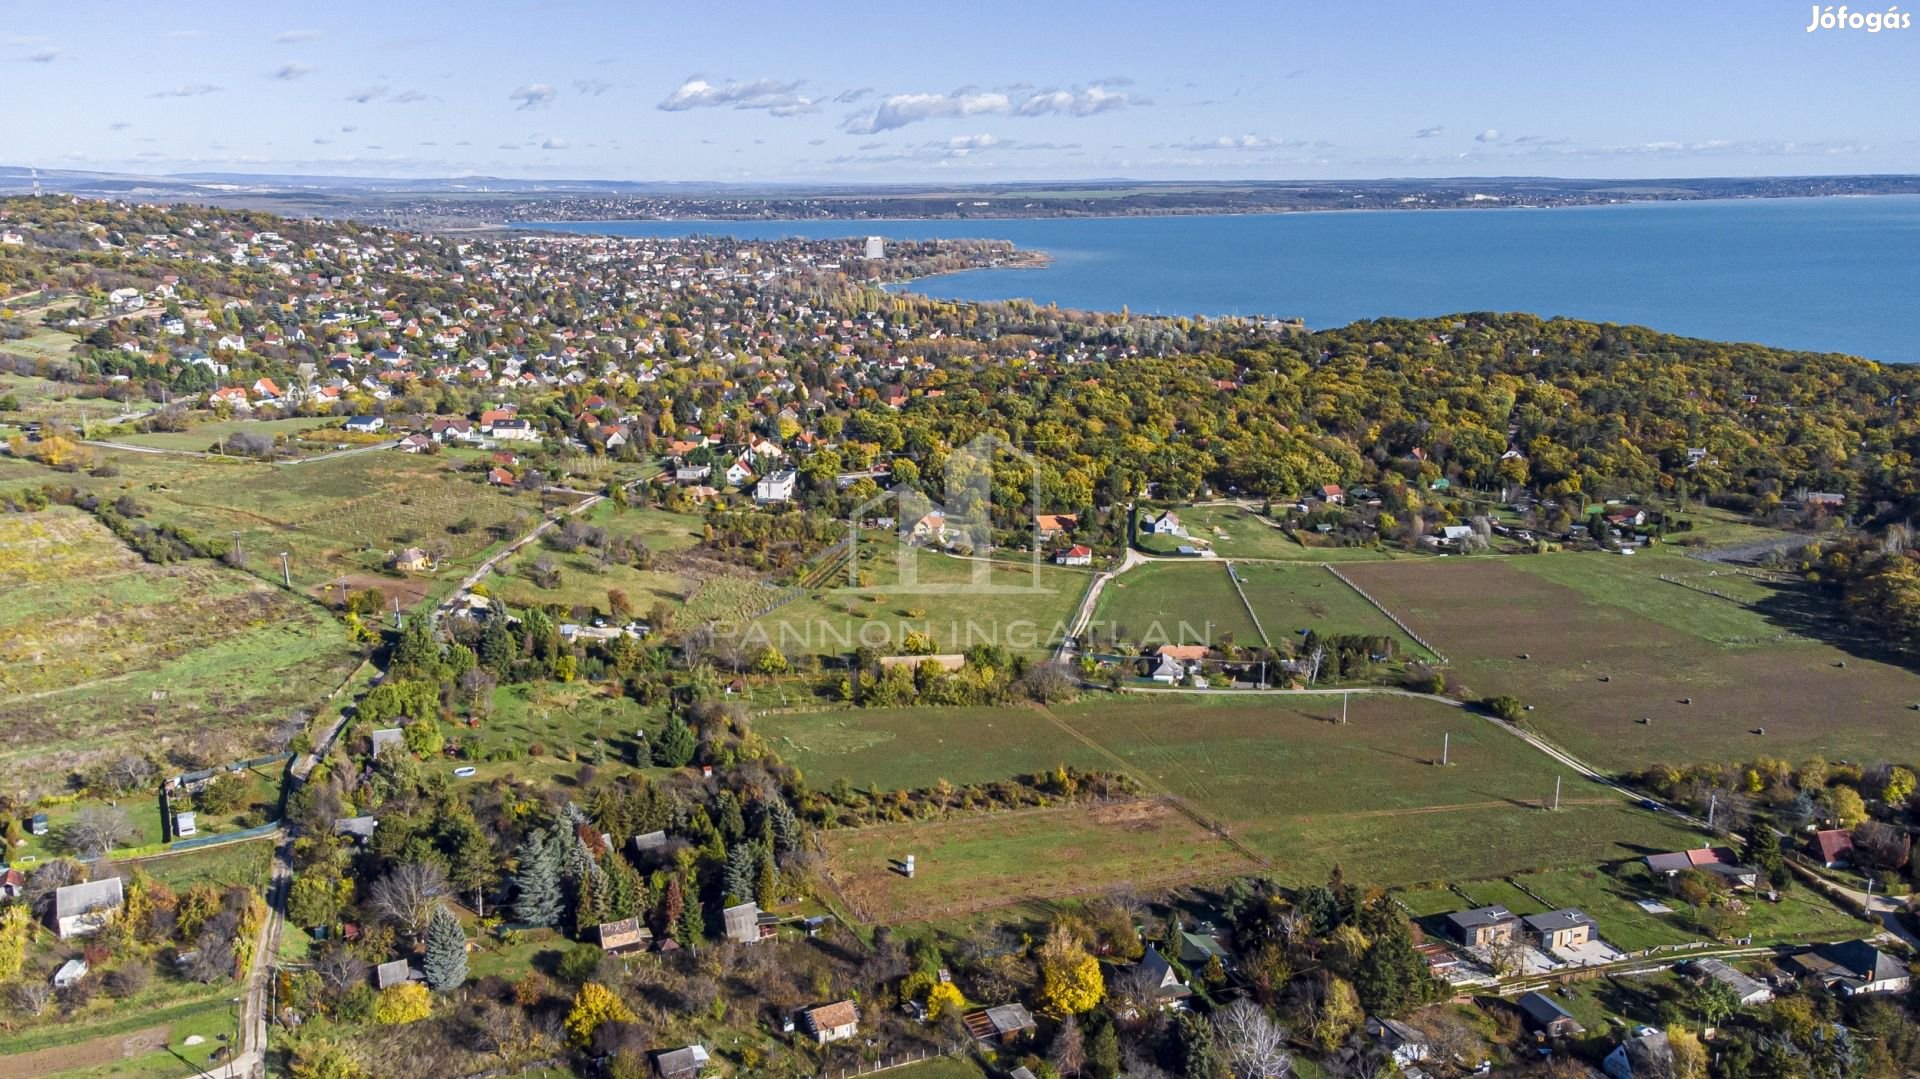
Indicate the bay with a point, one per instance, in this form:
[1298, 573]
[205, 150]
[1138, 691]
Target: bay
[1821, 274]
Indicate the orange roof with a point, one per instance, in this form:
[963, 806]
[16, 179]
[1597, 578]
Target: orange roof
[1188, 652]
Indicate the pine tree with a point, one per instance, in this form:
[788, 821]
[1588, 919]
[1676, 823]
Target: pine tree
[497, 646]
[416, 654]
[786, 827]
[742, 865]
[672, 899]
[536, 885]
[691, 929]
[676, 745]
[766, 880]
[446, 962]
[587, 904]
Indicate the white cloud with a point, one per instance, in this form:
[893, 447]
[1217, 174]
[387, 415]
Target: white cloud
[1241, 142]
[371, 93]
[289, 72]
[46, 55]
[195, 89]
[776, 97]
[532, 96]
[1489, 135]
[408, 97]
[554, 144]
[295, 37]
[899, 110]
[1428, 132]
[592, 87]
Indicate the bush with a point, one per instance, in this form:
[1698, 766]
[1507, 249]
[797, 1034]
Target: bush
[1506, 707]
[408, 1002]
[579, 963]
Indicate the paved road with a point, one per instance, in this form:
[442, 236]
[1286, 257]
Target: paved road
[339, 453]
[129, 447]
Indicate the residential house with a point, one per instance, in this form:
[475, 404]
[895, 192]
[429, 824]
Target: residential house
[80, 909]
[1049, 526]
[775, 487]
[12, 882]
[1168, 671]
[360, 828]
[232, 396]
[739, 472]
[1833, 847]
[746, 925]
[1161, 975]
[1718, 861]
[392, 973]
[1333, 495]
[1198, 949]
[1405, 1044]
[1077, 555]
[1645, 1055]
[693, 473]
[412, 560]
[1543, 1016]
[500, 477]
[831, 1022]
[415, 443]
[364, 425]
[1483, 927]
[386, 738]
[623, 936]
[1853, 968]
[1164, 524]
[680, 1063]
[1558, 929]
[515, 431]
[1829, 499]
[1748, 989]
[1007, 1024]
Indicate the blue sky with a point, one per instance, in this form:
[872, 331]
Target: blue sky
[871, 92]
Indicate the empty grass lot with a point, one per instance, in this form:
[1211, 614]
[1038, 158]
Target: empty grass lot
[1173, 603]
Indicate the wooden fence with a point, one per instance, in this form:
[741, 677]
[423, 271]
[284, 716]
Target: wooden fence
[1384, 609]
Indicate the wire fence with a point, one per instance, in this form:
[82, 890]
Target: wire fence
[1394, 618]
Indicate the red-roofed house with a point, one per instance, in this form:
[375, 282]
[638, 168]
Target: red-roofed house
[1834, 847]
[1077, 555]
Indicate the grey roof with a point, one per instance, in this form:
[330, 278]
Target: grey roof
[1720, 971]
[392, 973]
[1008, 1018]
[1555, 920]
[743, 922]
[360, 826]
[1541, 1010]
[1866, 962]
[1480, 916]
[684, 1061]
[77, 899]
[649, 841]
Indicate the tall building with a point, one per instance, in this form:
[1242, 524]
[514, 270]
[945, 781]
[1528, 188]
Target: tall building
[876, 247]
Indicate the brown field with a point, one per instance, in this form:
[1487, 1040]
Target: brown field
[982, 862]
[1808, 697]
[93, 1053]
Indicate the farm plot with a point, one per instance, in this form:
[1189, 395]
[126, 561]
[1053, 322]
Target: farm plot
[975, 863]
[101, 652]
[343, 515]
[1624, 690]
[956, 602]
[1234, 531]
[1293, 599]
[1309, 792]
[911, 748]
[1173, 603]
[584, 582]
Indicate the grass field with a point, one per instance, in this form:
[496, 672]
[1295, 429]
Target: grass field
[1234, 532]
[1655, 645]
[958, 602]
[1173, 603]
[974, 863]
[909, 748]
[1290, 599]
[1281, 775]
[584, 582]
[203, 436]
[100, 651]
[1309, 792]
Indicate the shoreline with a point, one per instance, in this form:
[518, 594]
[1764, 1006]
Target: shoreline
[562, 224]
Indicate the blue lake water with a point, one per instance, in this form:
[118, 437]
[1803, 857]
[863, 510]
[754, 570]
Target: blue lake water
[1837, 274]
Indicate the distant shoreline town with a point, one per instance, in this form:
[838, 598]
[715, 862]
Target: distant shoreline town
[468, 203]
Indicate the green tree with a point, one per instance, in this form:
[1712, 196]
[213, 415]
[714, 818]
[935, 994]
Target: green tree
[315, 898]
[446, 959]
[675, 745]
[536, 883]
[424, 738]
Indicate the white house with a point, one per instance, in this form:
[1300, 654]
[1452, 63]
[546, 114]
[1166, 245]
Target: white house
[515, 431]
[776, 487]
[832, 1022]
[739, 472]
[364, 425]
[1077, 555]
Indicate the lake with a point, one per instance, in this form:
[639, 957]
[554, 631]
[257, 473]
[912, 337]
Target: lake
[1834, 274]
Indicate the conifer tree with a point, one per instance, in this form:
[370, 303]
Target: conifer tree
[446, 961]
[536, 884]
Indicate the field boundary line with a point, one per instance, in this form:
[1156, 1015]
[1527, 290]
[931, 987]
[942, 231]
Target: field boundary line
[1383, 609]
[1248, 604]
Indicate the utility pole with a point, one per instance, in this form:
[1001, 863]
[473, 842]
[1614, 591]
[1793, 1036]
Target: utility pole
[1713, 801]
[1556, 792]
[286, 571]
[236, 547]
[1445, 740]
[1344, 696]
[396, 612]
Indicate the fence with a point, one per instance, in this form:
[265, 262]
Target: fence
[215, 838]
[1384, 609]
[883, 1064]
[1234, 576]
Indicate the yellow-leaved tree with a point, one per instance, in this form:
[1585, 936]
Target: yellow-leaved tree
[407, 1002]
[1070, 981]
[594, 1005]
